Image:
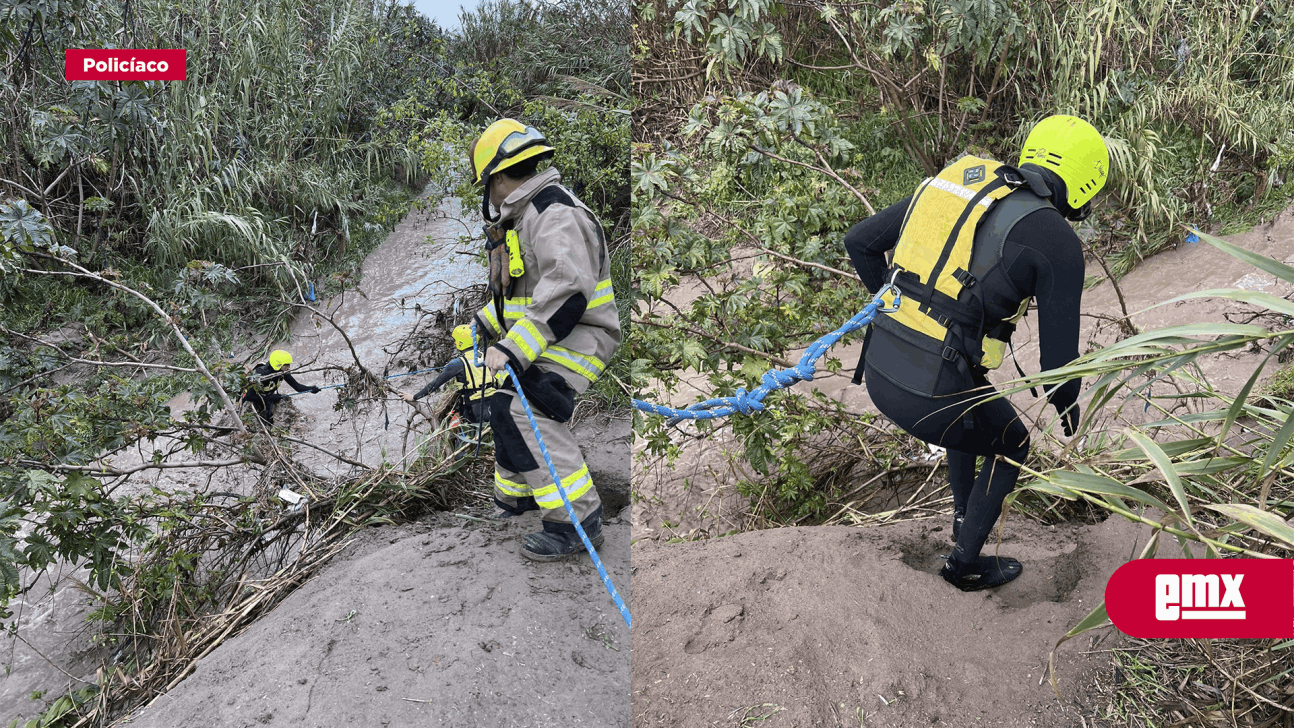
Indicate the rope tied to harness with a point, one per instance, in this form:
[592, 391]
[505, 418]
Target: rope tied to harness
[745, 402]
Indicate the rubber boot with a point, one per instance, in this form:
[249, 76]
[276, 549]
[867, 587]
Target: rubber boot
[559, 540]
[985, 572]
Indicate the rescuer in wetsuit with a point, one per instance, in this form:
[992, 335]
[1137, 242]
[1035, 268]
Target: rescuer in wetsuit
[478, 384]
[265, 381]
[925, 368]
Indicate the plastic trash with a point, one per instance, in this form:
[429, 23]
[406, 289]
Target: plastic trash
[290, 496]
[310, 292]
[1192, 238]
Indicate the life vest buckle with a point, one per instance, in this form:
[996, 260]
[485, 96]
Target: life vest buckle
[950, 354]
[1013, 178]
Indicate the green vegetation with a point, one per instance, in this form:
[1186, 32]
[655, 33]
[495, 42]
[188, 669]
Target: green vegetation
[769, 129]
[146, 228]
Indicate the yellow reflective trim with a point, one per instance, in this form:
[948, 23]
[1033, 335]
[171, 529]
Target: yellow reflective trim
[588, 367]
[527, 338]
[515, 308]
[576, 484]
[516, 490]
[607, 296]
[490, 319]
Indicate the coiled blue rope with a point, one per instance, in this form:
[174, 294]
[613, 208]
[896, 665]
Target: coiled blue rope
[774, 379]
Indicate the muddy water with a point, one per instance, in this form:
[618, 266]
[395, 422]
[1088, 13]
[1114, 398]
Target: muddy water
[696, 496]
[421, 266]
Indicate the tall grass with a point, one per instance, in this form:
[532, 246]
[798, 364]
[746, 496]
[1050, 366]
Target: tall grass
[260, 156]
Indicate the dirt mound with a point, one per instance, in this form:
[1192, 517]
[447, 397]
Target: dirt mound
[836, 626]
[438, 622]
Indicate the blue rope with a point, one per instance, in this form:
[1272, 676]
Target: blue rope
[774, 379]
[392, 376]
[570, 511]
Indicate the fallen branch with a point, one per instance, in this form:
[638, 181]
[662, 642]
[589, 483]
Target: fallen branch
[94, 362]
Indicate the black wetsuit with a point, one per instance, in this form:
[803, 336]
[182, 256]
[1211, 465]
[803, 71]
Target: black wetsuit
[1042, 258]
[262, 395]
[475, 412]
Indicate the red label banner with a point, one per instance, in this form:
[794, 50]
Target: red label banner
[1203, 598]
[126, 64]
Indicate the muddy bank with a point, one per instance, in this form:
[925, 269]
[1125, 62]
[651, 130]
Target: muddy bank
[439, 622]
[838, 626]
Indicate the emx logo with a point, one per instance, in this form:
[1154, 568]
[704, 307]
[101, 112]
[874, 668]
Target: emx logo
[1203, 598]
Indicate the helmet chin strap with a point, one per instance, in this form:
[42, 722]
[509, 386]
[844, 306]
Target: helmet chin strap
[485, 201]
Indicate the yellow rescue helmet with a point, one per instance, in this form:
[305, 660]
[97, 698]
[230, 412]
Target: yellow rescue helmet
[463, 337]
[1074, 150]
[503, 144]
[279, 358]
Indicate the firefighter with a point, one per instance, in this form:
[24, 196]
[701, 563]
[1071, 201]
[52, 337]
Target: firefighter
[555, 321]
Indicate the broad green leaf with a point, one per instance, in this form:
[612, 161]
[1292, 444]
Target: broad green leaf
[1179, 335]
[1280, 270]
[1210, 466]
[1257, 298]
[1094, 619]
[1102, 485]
[1042, 486]
[1277, 446]
[1242, 398]
[1175, 448]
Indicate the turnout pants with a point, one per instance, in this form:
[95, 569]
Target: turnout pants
[521, 478]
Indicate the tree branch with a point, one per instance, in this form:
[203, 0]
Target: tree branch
[825, 169]
[725, 344]
[175, 326]
[116, 472]
[79, 360]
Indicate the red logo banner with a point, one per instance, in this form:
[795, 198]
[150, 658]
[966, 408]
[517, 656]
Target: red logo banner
[126, 64]
[1203, 598]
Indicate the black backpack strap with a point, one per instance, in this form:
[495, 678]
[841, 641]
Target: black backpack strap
[862, 358]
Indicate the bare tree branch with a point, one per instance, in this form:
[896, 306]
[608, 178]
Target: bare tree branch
[78, 360]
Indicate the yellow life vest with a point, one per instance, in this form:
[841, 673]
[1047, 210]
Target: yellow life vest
[479, 383]
[938, 263]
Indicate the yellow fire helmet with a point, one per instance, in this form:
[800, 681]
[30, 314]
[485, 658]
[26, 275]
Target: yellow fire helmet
[503, 144]
[279, 358]
[1074, 150]
[463, 337]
